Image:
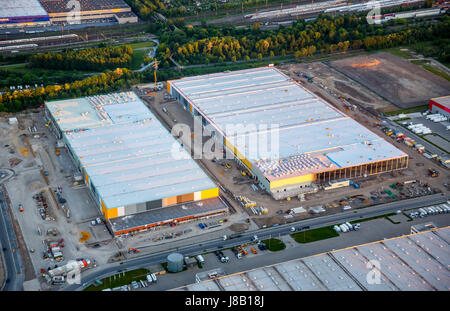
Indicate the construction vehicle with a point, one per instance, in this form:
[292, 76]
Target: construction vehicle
[79, 265]
[242, 251]
[117, 256]
[432, 172]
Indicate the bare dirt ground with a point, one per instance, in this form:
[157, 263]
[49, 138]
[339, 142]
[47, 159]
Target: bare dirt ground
[331, 79]
[402, 83]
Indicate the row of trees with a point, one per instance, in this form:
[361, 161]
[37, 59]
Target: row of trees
[36, 76]
[109, 81]
[196, 45]
[100, 58]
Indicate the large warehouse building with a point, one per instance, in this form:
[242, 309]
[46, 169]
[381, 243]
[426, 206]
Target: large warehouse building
[417, 262]
[125, 156]
[312, 141]
[440, 105]
[90, 10]
[20, 13]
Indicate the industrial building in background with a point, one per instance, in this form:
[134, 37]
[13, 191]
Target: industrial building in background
[316, 143]
[125, 157]
[90, 11]
[417, 262]
[35, 13]
[440, 105]
[21, 13]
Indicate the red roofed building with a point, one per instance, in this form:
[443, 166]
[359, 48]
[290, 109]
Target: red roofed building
[440, 105]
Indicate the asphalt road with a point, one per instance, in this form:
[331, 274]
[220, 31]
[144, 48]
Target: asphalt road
[11, 256]
[90, 276]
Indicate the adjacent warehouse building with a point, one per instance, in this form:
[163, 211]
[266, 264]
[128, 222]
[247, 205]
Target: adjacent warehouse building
[440, 105]
[125, 156]
[417, 262]
[308, 140]
[20, 13]
[90, 10]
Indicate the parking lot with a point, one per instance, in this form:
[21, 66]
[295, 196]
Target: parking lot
[370, 231]
[439, 135]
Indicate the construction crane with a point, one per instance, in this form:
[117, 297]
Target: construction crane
[155, 66]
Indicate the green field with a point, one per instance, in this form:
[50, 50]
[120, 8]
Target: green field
[314, 235]
[437, 72]
[138, 59]
[407, 110]
[120, 280]
[142, 44]
[274, 245]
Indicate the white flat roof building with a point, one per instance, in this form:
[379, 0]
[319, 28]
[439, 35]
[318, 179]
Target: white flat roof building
[304, 135]
[126, 155]
[21, 8]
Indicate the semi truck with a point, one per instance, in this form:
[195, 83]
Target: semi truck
[70, 266]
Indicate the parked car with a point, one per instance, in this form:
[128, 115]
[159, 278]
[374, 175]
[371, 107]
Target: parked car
[262, 246]
[135, 284]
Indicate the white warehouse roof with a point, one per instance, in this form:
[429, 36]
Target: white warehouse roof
[21, 8]
[414, 262]
[125, 151]
[312, 135]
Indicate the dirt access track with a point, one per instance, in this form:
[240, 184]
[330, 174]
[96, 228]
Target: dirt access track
[395, 79]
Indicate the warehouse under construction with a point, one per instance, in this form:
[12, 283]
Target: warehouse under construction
[306, 141]
[125, 156]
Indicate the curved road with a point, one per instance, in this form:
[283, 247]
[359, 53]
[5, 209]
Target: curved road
[90, 276]
[14, 273]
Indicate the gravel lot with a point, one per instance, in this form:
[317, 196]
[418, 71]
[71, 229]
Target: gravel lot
[402, 83]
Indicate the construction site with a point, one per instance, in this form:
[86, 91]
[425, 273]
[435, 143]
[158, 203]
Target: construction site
[239, 184]
[397, 80]
[94, 178]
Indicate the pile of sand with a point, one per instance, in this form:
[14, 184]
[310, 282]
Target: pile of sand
[238, 227]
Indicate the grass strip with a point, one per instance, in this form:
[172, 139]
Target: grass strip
[314, 235]
[120, 279]
[274, 245]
